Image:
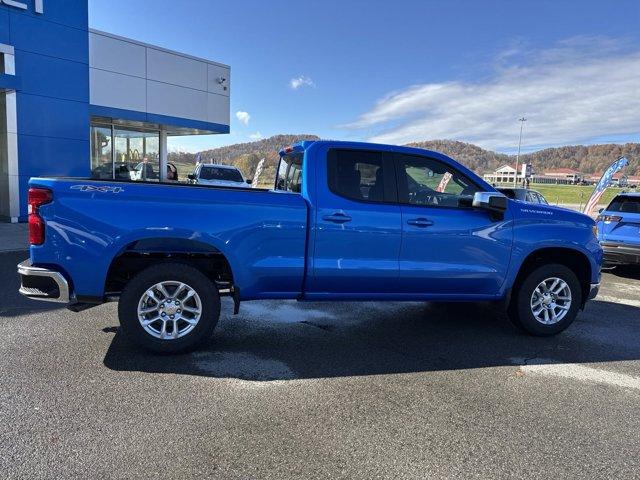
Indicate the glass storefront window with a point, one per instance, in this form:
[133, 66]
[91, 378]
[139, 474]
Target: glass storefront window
[101, 162]
[137, 154]
[124, 153]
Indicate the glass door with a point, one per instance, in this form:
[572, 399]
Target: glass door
[124, 153]
[101, 152]
[137, 154]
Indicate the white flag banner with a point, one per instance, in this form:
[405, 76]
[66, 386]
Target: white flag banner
[604, 182]
[256, 176]
[443, 182]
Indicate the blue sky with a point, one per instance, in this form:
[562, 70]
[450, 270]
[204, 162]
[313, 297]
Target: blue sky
[402, 71]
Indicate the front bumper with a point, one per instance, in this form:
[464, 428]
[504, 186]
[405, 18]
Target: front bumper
[43, 284]
[620, 253]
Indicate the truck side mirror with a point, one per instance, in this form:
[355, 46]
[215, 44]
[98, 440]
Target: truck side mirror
[491, 201]
[191, 176]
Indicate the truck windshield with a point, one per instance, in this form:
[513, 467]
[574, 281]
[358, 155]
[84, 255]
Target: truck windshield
[289, 177]
[217, 173]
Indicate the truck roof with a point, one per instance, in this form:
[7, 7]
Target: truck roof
[306, 144]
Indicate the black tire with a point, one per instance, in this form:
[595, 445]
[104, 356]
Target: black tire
[143, 281]
[520, 312]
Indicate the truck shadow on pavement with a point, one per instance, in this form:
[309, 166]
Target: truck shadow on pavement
[627, 271]
[287, 340]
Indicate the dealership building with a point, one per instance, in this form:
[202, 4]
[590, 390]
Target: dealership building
[80, 102]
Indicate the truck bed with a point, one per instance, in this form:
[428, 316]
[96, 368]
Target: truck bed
[91, 222]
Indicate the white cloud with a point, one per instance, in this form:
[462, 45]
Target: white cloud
[580, 89]
[301, 81]
[256, 136]
[243, 117]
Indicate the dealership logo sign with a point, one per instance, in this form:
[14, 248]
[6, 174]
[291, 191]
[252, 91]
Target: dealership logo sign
[38, 5]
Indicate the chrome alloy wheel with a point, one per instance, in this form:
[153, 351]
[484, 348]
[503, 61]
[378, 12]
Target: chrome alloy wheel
[551, 300]
[169, 310]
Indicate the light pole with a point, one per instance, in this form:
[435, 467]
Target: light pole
[515, 178]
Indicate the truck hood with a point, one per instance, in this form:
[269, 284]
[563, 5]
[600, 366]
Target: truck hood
[549, 213]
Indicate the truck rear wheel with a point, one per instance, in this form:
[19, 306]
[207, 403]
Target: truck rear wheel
[547, 301]
[169, 308]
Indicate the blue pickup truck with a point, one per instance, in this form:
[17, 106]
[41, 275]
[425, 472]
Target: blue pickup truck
[344, 221]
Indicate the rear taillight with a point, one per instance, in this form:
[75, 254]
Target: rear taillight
[36, 230]
[608, 218]
[37, 198]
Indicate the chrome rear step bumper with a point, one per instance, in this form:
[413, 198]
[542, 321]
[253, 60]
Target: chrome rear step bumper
[42, 284]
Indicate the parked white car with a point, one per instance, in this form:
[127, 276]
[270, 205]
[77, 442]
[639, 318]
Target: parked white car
[143, 171]
[220, 175]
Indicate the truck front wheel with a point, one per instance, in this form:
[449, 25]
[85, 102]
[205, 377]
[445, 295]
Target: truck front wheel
[169, 308]
[546, 301]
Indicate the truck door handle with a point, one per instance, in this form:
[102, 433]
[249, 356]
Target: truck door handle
[337, 218]
[420, 222]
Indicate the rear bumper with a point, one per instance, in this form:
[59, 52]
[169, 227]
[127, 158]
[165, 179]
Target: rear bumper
[620, 253]
[43, 284]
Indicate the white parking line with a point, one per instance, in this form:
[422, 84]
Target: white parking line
[581, 373]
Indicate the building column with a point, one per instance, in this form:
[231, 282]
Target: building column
[12, 157]
[163, 154]
[9, 173]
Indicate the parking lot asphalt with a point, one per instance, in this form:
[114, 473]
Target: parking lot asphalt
[323, 390]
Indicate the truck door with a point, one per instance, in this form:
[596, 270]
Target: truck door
[357, 225]
[448, 247]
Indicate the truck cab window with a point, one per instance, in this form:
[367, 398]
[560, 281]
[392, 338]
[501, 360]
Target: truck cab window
[358, 175]
[289, 177]
[532, 198]
[425, 181]
[541, 199]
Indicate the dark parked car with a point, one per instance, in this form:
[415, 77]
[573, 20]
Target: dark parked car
[524, 195]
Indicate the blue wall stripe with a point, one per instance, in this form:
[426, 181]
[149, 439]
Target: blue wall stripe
[122, 114]
[52, 84]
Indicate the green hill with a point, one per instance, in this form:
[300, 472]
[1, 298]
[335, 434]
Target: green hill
[585, 158]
